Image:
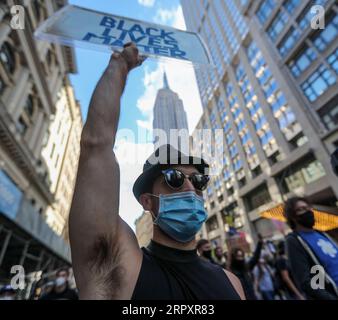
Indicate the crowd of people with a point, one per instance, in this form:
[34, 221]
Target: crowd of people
[54, 287]
[283, 270]
[274, 271]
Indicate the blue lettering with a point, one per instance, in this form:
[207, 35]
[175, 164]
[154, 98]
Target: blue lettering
[108, 22]
[137, 28]
[117, 43]
[106, 32]
[167, 34]
[121, 25]
[171, 44]
[89, 36]
[178, 54]
[153, 42]
[148, 30]
[161, 51]
[146, 48]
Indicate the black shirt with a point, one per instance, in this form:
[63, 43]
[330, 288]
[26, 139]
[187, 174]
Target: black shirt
[67, 294]
[168, 273]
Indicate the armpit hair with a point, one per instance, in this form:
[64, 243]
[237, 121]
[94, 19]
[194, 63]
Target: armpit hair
[105, 266]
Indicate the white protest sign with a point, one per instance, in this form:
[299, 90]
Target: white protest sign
[76, 26]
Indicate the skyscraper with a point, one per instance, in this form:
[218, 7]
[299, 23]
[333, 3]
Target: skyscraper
[274, 94]
[169, 116]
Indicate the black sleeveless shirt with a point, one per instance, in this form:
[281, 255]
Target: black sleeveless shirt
[172, 274]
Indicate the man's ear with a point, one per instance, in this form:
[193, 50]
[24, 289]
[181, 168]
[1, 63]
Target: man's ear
[146, 201]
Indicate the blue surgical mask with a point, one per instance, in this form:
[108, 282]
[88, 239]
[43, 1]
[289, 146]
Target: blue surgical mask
[181, 215]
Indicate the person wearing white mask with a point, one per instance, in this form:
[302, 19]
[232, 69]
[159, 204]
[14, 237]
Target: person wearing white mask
[61, 290]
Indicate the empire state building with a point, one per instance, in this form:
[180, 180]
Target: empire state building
[170, 120]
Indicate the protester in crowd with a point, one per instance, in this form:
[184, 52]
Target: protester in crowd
[219, 257]
[7, 293]
[307, 248]
[285, 283]
[242, 269]
[47, 287]
[204, 250]
[108, 262]
[61, 289]
[263, 280]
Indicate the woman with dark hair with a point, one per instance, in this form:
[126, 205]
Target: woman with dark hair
[242, 269]
[308, 248]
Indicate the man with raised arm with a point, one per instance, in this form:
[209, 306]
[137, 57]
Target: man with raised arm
[107, 260]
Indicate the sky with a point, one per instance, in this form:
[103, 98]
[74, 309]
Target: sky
[139, 96]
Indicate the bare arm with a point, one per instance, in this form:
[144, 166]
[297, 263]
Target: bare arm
[101, 242]
[236, 283]
[290, 284]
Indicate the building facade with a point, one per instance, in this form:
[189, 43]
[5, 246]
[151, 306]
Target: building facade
[169, 118]
[144, 229]
[274, 94]
[32, 74]
[61, 152]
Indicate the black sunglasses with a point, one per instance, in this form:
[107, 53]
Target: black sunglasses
[175, 179]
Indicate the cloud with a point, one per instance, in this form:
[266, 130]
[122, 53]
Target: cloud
[172, 17]
[148, 125]
[185, 86]
[146, 3]
[181, 78]
[136, 154]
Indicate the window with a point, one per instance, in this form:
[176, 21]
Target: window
[52, 152]
[324, 37]
[265, 9]
[7, 57]
[256, 172]
[237, 163]
[259, 197]
[277, 25]
[22, 126]
[302, 61]
[318, 83]
[233, 150]
[242, 182]
[288, 41]
[306, 171]
[212, 224]
[329, 114]
[291, 5]
[333, 60]
[230, 191]
[29, 106]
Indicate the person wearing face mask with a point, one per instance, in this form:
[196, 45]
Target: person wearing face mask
[307, 247]
[219, 257]
[204, 250]
[61, 290]
[243, 269]
[107, 260]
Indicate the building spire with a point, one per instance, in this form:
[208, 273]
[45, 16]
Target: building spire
[165, 81]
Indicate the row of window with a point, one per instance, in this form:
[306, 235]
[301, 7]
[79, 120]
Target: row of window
[321, 38]
[318, 82]
[274, 96]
